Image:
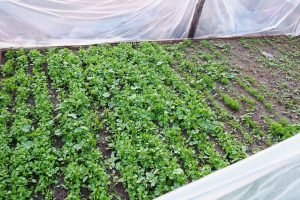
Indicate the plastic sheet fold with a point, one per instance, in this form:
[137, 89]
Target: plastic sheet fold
[31, 23]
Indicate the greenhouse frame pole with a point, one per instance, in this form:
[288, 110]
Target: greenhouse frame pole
[196, 17]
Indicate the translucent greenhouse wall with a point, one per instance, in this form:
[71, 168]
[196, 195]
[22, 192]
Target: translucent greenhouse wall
[249, 17]
[31, 23]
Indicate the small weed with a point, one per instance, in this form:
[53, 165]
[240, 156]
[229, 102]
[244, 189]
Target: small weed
[224, 48]
[187, 42]
[253, 125]
[252, 91]
[231, 103]
[268, 106]
[218, 55]
[247, 100]
[224, 81]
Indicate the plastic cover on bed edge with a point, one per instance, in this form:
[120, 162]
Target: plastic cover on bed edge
[31, 23]
[271, 174]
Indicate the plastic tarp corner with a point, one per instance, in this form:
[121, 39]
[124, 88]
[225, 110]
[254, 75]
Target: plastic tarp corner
[31, 23]
[272, 174]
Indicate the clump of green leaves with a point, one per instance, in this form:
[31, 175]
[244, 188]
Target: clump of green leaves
[282, 129]
[248, 101]
[251, 90]
[231, 103]
[253, 125]
[8, 68]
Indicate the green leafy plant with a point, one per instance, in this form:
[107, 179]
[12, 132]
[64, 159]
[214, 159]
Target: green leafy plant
[231, 103]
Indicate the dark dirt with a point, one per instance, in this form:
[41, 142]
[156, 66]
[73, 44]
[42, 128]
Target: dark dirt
[271, 78]
[238, 115]
[114, 187]
[84, 193]
[217, 145]
[102, 144]
[53, 93]
[11, 107]
[57, 142]
[39, 196]
[30, 69]
[60, 193]
[13, 143]
[197, 152]
[235, 90]
[31, 102]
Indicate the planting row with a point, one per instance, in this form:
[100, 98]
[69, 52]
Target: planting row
[148, 118]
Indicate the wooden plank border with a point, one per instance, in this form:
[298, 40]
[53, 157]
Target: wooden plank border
[76, 47]
[2, 56]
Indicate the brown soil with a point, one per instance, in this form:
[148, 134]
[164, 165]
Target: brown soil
[271, 78]
[60, 193]
[114, 187]
[53, 93]
[84, 193]
[57, 142]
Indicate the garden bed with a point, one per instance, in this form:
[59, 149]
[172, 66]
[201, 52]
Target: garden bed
[134, 121]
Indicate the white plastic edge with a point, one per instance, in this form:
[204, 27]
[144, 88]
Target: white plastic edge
[224, 181]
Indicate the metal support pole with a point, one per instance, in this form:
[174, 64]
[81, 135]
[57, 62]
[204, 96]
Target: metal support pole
[196, 17]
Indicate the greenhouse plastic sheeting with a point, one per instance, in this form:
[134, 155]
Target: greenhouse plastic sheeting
[249, 17]
[31, 23]
[272, 174]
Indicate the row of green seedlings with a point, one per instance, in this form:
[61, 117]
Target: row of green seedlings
[7, 88]
[257, 135]
[205, 79]
[283, 63]
[246, 84]
[132, 173]
[234, 125]
[140, 154]
[127, 73]
[246, 115]
[234, 104]
[30, 161]
[287, 129]
[283, 129]
[273, 136]
[287, 63]
[196, 105]
[291, 58]
[81, 163]
[289, 55]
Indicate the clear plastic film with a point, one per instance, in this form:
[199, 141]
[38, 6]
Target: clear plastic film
[27, 23]
[243, 17]
[271, 174]
[31, 23]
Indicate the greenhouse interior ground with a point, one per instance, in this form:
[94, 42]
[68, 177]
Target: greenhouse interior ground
[138, 120]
